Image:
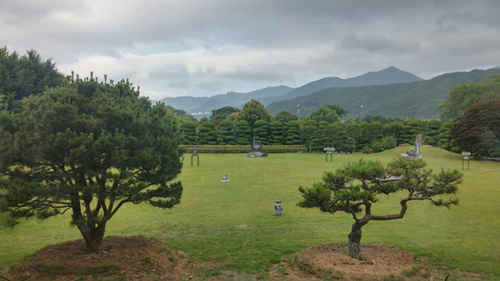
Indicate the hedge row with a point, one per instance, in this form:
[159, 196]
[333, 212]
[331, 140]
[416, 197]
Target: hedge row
[242, 148]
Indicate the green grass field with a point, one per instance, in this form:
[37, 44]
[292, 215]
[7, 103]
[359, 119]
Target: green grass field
[233, 223]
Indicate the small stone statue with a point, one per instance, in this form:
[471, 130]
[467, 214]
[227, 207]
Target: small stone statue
[225, 178]
[277, 209]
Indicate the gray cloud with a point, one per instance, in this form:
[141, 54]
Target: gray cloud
[212, 85]
[178, 84]
[252, 44]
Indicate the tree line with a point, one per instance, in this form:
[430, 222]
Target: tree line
[323, 128]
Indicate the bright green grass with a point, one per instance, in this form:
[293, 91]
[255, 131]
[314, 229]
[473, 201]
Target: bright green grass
[233, 223]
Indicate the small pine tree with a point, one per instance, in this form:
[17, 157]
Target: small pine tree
[243, 133]
[276, 133]
[261, 131]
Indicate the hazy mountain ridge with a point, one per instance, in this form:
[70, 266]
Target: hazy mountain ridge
[202, 106]
[390, 75]
[413, 100]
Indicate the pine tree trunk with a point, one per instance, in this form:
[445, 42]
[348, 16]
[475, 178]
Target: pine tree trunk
[355, 242]
[93, 237]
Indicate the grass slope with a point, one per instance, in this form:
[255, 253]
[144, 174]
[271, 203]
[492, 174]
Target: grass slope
[233, 223]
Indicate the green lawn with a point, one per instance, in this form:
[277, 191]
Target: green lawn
[232, 222]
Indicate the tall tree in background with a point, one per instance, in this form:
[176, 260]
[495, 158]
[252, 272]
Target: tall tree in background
[330, 113]
[252, 111]
[463, 96]
[354, 189]
[87, 148]
[222, 113]
[285, 117]
[478, 129]
[23, 76]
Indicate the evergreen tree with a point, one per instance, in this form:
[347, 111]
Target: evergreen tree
[225, 133]
[410, 132]
[188, 130]
[293, 133]
[277, 133]
[261, 131]
[243, 133]
[208, 134]
[23, 76]
[88, 149]
[432, 132]
[354, 190]
[445, 139]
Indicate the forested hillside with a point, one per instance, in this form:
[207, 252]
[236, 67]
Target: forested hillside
[406, 100]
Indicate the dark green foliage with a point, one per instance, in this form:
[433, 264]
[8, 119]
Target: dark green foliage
[393, 129]
[445, 139]
[308, 133]
[432, 132]
[325, 113]
[380, 118]
[478, 129]
[292, 133]
[285, 117]
[410, 131]
[374, 131]
[243, 133]
[463, 96]
[383, 144]
[223, 112]
[23, 76]
[354, 189]
[207, 133]
[88, 148]
[188, 129]
[253, 111]
[261, 131]
[277, 133]
[225, 133]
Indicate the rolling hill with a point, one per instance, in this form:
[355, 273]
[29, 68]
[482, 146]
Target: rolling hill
[390, 75]
[202, 106]
[407, 100]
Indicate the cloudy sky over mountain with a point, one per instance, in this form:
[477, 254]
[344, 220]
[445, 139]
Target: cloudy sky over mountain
[203, 48]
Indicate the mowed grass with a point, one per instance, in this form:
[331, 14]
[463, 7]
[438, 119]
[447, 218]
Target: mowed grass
[232, 223]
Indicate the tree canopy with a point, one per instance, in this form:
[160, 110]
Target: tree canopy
[463, 96]
[478, 129]
[87, 148]
[22, 76]
[252, 111]
[285, 117]
[354, 188]
[330, 113]
[223, 112]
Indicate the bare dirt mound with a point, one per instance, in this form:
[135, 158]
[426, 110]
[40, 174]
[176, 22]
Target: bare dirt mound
[123, 258]
[139, 258]
[331, 262]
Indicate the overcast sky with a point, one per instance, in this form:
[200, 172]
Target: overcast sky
[203, 48]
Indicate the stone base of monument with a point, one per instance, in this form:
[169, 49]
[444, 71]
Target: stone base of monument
[257, 154]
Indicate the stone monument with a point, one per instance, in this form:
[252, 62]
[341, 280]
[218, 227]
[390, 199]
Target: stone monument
[256, 148]
[225, 178]
[413, 153]
[278, 211]
[329, 151]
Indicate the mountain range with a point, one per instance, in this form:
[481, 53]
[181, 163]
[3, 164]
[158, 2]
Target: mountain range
[390, 92]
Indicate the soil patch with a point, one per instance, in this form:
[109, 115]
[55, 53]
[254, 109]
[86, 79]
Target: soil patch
[123, 258]
[139, 258]
[331, 262]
